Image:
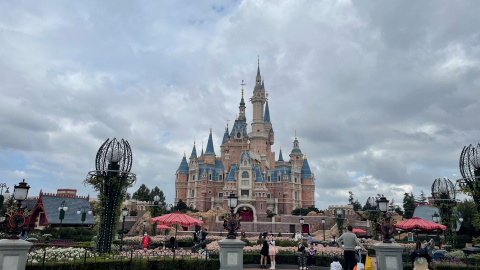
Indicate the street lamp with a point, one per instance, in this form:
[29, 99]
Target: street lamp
[382, 204]
[124, 214]
[144, 223]
[62, 209]
[232, 224]
[301, 225]
[323, 228]
[156, 200]
[201, 219]
[83, 210]
[18, 220]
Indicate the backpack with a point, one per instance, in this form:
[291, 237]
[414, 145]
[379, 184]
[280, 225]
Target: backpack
[301, 248]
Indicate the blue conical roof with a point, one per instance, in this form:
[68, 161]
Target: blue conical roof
[183, 169]
[194, 152]
[266, 118]
[225, 136]
[280, 156]
[306, 173]
[209, 150]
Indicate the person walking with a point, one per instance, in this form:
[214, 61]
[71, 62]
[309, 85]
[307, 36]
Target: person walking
[272, 251]
[204, 235]
[309, 239]
[145, 241]
[350, 241]
[264, 254]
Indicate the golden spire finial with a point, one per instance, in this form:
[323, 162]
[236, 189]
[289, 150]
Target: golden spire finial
[258, 60]
[210, 130]
[242, 84]
[305, 157]
[193, 142]
[184, 155]
[295, 134]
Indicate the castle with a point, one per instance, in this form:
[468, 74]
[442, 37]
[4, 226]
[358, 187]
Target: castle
[247, 168]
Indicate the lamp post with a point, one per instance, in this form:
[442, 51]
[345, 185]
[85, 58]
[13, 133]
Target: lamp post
[144, 223]
[83, 211]
[62, 209]
[124, 214]
[323, 228]
[201, 219]
[156, 200]
[17, 220]
[436, 219]
[232, 223]
[301, 226]
[382, 204]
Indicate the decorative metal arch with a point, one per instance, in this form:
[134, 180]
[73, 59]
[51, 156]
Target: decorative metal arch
[443, 190]
[111, 178]
[470, 170]
[114, 150]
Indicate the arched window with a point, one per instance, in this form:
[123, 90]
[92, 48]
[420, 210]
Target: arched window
[193, 193]
[244, 174]
[220, 177]
[210, 176]
[279, 178]
[193, 177]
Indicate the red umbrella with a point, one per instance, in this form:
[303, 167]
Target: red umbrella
[176, 218]
[357, 230]
[420, 224]
[163, 227]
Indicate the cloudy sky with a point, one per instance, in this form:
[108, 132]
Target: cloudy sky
[383, 95]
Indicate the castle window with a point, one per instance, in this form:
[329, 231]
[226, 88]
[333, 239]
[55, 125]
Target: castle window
[268, 196]
[193, 193]
[261, 206]
[245, 182]
[244, 174]
[220, 195]
[279, 178]
[193, 177]
[210, 176]
[268, 178]
[176, 177]
[209, 192]
[220, 177]
[295, 195]
[245, 193]
[295, 179]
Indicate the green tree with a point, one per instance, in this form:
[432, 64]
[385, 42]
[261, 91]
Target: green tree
[157, 192]
[422, 199]
[408, 205]
[304, 212]
[468, 211]
[356, 205]
[142, 194]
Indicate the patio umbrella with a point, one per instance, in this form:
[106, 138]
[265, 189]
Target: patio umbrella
[176, 218]
[417, 223]
[357, 230]
[162, 227]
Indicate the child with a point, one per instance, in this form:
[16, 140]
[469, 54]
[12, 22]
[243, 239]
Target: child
[335, 265]
[310, 255]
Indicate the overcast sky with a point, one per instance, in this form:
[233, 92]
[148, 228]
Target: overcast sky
[383, 94]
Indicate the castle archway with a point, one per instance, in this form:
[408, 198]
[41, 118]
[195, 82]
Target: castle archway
[247, 212]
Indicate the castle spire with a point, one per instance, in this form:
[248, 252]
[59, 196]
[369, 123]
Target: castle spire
[266, 117]
[194, 151]
[241, 108]
[280, 156]
[210, 150]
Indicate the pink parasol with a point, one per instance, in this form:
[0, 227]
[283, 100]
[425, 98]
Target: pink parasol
[420, 224]
[162, 227]
[176, 218]
[357, 230]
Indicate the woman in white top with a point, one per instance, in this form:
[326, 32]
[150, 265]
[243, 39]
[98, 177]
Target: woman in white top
[272, 251]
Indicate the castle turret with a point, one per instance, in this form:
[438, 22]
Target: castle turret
[296, 154]
[210, 152]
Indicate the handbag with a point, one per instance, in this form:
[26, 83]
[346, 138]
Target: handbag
[368, 263]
